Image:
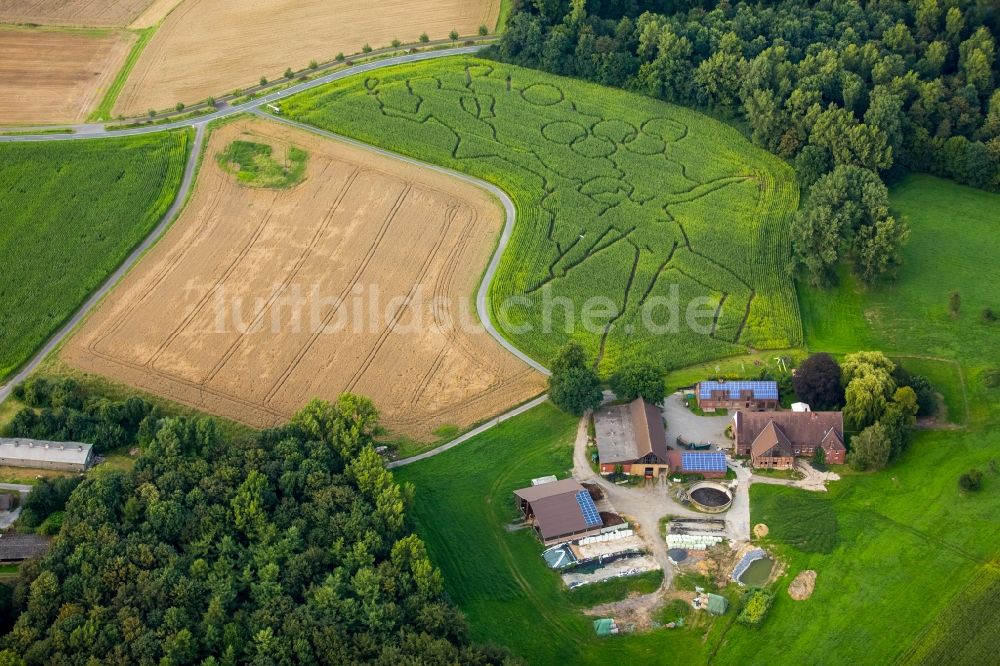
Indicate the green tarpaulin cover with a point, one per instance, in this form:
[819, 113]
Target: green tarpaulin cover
[603, 627]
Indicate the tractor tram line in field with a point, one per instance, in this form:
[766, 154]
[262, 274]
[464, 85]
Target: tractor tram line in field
[567, 258]
[200, 125]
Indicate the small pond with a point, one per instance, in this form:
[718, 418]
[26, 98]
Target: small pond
[758, 572]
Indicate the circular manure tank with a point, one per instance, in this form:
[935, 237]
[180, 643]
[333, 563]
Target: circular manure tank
[710, 497]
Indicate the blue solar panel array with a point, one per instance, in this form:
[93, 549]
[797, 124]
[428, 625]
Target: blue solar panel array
[589, 510]
[703, 462]
[762, 390]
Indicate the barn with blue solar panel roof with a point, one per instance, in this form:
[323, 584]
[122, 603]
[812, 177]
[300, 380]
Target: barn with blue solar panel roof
[755, 396]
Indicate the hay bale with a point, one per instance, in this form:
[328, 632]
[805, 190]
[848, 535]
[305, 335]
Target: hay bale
[802, 587]
[760, 530]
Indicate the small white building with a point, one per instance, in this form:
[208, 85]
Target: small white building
[39, 454]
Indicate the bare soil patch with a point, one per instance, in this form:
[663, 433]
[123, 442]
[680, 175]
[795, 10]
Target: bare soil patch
[802, 586]
[209, 47]
[52, 76]
[258, 300]
[760, 530]
[90, 13]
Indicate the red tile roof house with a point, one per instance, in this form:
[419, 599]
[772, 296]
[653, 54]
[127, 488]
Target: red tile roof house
[632, 436]
[755, 395]
[560, 511]
[773, 440]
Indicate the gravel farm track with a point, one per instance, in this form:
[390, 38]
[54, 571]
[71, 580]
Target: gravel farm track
[91, 131]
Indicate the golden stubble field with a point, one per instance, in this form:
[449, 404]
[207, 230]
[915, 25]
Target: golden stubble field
[209, 47]
[89, 13]
[208, 318]
[52, 76]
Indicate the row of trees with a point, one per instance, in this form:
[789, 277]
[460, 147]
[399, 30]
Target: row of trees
[288, 546]
[826, 85]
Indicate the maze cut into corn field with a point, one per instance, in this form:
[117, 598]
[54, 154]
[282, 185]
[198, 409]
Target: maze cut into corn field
[636, 217]
[71, 212]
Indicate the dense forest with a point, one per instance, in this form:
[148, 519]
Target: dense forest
[837, 87]
[291, 546]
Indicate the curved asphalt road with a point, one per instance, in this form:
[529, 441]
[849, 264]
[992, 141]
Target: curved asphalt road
[510, 216]
[98, 131]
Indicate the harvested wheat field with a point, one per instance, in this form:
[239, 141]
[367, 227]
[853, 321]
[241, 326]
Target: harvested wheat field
[353, 279]
[209, 47]
[91, 13]
[54, 76]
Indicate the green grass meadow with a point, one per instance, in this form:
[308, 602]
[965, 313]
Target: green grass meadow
[652, 208]
[908, 564]
[72, 211]
[954, 246]
[462, 505]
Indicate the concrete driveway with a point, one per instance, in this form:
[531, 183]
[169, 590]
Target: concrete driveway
[644, 504]
[693, 428]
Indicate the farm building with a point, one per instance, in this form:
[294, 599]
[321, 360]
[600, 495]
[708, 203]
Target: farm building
[560, 511]
[632, 436]
[19, 547]
[710, 464]
[755, 396]
[39, 454]
[774, 440]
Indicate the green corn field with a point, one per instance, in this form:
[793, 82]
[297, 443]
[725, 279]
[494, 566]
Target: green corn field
[71, 212]
[638, 208]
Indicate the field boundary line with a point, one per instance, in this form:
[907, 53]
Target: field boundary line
[478, 430]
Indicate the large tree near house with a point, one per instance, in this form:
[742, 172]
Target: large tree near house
[817, 382]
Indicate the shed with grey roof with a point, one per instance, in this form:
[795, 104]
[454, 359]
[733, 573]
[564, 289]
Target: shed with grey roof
[20, 547]
[41, 454]
[633, 437]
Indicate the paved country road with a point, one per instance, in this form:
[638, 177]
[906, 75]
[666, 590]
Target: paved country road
[199, 124]
[98, 131]
[510, 215]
